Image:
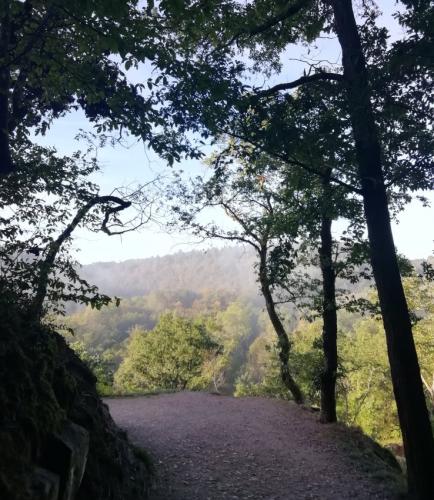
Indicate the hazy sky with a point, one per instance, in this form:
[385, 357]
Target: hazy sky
[414, 235]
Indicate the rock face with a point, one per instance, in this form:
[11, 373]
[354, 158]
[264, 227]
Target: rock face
[66, 454]
[57, 438]
[44, 485]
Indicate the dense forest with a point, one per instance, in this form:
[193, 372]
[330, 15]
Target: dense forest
[312, 122]
[213, 269]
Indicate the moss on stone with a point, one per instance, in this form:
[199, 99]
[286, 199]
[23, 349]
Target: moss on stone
[43, 383]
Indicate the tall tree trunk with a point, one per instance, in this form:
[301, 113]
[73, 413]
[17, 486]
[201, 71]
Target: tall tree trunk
[329, 316]
[6, 165]
[283, 341]
[406, 378]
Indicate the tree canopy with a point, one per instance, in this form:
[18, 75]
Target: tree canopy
[347, 139]
[171, 356]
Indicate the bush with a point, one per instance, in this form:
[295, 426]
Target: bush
[171, 357]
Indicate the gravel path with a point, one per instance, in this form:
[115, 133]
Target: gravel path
[218, 447]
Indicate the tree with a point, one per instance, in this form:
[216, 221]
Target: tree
[266, 198]
[245, 194]
[234, 328]
[366, 389]
[59, 56]
[44, 200]
[419, 289]
[372, 92]
[261, 374]
[101, 366]
[415, 425]
[367, 394]
[313, 165]
[171, 356]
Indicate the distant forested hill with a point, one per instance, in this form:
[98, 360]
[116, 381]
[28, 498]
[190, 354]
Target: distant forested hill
[228, 268]
[190, 283]
[219, 288]
[217, 269]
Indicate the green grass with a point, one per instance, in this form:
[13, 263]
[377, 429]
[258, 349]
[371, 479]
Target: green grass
[374, 460]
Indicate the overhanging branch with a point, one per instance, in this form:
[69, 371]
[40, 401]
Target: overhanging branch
[320, 76]
[294, 162]
[291, 9]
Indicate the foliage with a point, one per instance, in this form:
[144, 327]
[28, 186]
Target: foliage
[234, 328]
[367, 396]
[261, 376]
[305, 151]
[366, 390]
[248, 361]
[213, 273]
[364, 387]
[214, 88]
[420, 293]
[232, 323]
[36, 203]
[41, 204]
[171, 356]
[261, 372]
[101, 366]
[109, 327]
[307, 358]
[60, 56]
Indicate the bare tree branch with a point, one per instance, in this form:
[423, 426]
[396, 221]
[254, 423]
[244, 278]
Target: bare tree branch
[320, 76]
[231, 212]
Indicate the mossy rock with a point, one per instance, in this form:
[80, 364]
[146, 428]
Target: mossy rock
[43, 383]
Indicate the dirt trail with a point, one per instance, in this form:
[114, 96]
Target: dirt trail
[218, 447]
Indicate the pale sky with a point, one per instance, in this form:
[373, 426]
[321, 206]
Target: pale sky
[414, 235]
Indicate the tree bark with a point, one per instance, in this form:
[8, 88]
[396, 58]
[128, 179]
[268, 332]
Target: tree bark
[406, 378]
[329, 316]
[6, 165]
[283, 341]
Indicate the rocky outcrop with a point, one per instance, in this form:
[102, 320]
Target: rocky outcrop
[57, 438]
[65, 454]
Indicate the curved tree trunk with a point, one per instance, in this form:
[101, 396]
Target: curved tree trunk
[406, 378]
[330, 325]
[36, 308]
[284, 345]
